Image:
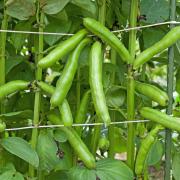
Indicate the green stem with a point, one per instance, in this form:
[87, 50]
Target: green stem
[111, 134]
[102, 11]
[130, 86]
[37, 94]
[3, 53]
[95, 138]
[78, 89]
[170, 80]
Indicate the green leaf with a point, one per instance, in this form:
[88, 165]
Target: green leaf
[13, 61]
[120, 141]
[47, 149]
[11, 175]
[176, 166]
[89, 7]
[84, 56]
[78, 173]
[105, 169]
[53, 6]
[155, 154]
[66, 157]
[7, 175]
[22, 71]
[113, 169]
[115, 96]
[57, 175]
[155, 34]
[56, 26]
[19, 39]
[155, 10]
[60, 136]
[22, 149]
[18, 176]
[21, 9]
[17, 119]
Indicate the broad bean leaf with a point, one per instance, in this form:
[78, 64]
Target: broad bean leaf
[155, 34]
[47, 149]
[20, 114]
[105, 169]
[65, 155]
[13, 61]
[53, 6]
[22, 71]
[21, 9]
[60, 136]
[176, 166]
[19, 39]
[57, 175]
[119, 143]
[22, 149]
[56, 26]
[89, 7]
[11, 175]
[155, 10]
[115, 96]
[155, 153]
[24, 102]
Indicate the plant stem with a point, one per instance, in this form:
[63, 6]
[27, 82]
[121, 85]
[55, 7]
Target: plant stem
[111, 134]
[95, 138]
[3, 54]
[130, 86]
[102, 11]
[170, 80]
[37, 94]
[78, 89]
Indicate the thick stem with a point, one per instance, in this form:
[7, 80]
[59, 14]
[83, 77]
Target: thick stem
[37, 94]
[130, 85]
[111, 134]
[170, 80]
[3, 54]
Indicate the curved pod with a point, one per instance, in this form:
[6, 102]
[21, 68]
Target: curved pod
[95, 81]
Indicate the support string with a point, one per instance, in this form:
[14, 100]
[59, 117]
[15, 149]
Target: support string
[74, 125]
[67, 34]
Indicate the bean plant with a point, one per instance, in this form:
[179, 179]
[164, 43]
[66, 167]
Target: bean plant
[89, 89]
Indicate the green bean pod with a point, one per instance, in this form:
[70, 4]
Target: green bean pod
[64, 109]
[65, 81]
[62, 49]
[161, 118]
[169, 39]
[82, 110]
[152, 92]
[75, 141]
[145, 148]
[95, 81]
[12, 87]
[101, 31]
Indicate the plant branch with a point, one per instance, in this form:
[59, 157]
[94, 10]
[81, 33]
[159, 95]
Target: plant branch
[37, 94]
